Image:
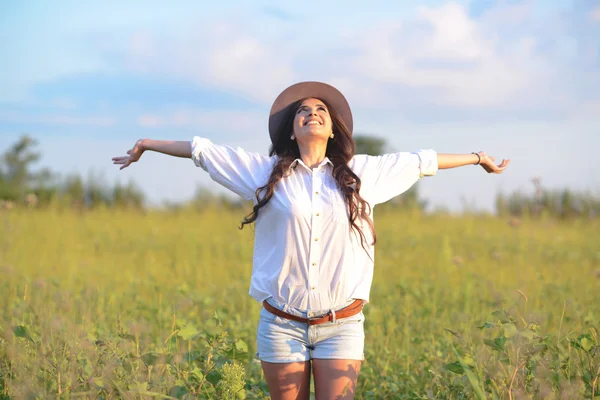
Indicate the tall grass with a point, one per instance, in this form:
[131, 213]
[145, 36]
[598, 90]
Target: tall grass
[114, 304]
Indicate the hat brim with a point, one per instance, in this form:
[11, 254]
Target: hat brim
[333, 97]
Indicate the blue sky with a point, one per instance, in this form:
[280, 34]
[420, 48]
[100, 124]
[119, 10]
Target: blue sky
[517, 79]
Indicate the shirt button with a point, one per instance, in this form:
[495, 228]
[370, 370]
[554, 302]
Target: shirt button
[316, 239]
[314, 264]
[312, 288]
[317, 214]
[317, 193]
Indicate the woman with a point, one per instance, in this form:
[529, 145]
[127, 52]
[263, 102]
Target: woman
[314, 241]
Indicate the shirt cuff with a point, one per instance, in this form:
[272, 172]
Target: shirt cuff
[199, 144]
[429, 164]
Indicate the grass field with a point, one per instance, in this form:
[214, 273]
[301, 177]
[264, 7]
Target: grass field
[115, 304]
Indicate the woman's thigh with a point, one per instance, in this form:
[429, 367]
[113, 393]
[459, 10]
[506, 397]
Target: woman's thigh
[335, 379]
[281, 341]
[288, 380]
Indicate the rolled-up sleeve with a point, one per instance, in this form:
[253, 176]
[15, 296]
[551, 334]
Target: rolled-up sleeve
[428, 164]
[240, 171]
[387, 176]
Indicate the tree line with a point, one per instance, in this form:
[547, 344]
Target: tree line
[21, 186]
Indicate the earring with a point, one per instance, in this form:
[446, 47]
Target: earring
[331, 136]
[292, 137]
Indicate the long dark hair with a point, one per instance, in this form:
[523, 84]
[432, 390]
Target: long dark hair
[340, 151]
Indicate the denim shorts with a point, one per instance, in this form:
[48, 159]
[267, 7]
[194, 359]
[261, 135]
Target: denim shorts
[280, 340]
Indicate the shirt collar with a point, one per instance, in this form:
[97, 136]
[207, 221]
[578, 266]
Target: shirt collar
[297, 161]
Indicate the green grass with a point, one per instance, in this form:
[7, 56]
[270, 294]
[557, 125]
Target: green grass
[114, 304]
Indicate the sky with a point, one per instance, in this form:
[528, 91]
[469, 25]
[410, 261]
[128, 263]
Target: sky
[516, 79]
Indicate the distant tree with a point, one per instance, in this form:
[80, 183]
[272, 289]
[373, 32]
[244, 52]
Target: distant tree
[73, 189]
[559, 203]
[15, 163]
[45, 186]
[127, 196]
[19, 185]
[203, 198]
[370, 145]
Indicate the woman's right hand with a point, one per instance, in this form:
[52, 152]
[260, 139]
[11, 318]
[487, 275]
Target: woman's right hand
[133, 155]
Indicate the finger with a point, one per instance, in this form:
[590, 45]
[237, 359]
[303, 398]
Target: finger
[492, 158]
[125, 165]
[128, 151]
[504, 163]
[500, 168]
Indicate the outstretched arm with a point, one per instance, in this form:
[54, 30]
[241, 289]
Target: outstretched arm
[170, 147]
[446, 161]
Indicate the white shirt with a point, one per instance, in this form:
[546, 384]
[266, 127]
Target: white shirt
[305, 254]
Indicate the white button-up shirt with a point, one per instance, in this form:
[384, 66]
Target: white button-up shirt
[305, 254]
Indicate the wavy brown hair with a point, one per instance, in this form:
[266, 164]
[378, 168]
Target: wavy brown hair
[340, 151]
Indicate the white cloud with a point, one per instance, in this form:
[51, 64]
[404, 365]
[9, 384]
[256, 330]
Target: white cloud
[440, 57]
[213, 121]
[247, 65]
[218, 55]
[436, 57]
[453, 58]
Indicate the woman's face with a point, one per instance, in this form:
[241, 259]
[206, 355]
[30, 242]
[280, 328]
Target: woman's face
[312, 121]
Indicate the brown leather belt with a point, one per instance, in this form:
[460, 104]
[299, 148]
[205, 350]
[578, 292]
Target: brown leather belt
[345, 312]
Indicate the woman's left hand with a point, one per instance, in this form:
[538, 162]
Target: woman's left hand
[488, 163]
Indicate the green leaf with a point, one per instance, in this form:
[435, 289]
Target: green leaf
[455, 367]
[23, 332]
[241, 346]
[468, 360]
[487, 325]
[153, 358]
[502, 316]
[216, 318]
[526, 333]
[98, 382]
[509, 329]
[180, 322]
[214, 377]
[587, 378]
[196, 372]
[587, 344]
[127, 336]
[87, 366]
[20, 331]
[496, 344]
[178, 391]
[141, 387]
[188, 332]
[475, 384]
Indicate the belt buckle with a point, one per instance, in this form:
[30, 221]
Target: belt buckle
[327, 314]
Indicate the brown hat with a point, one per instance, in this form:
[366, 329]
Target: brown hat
[304, 90]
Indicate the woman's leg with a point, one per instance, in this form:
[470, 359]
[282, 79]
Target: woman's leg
[288, 380]
[335, 379]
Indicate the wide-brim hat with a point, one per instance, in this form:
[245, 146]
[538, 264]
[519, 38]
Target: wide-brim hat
[330, 95]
